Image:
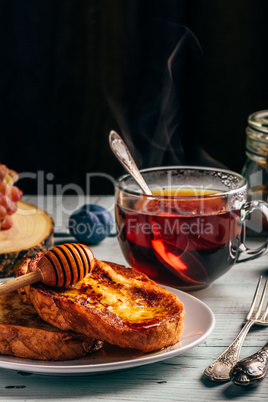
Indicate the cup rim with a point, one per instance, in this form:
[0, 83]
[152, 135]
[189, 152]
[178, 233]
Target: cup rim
[184, 167]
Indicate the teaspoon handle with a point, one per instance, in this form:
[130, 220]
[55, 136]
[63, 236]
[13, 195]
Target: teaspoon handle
[252, 369]
[219, 370]
[122, 153]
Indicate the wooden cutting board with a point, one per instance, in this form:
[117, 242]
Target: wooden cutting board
[32, 231]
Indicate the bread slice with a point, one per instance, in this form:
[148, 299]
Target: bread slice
[24, 334]
[113, 303]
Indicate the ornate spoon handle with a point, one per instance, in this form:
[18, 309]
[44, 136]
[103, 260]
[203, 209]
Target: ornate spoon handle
[219, 370]
[122, 153]
[252, 369]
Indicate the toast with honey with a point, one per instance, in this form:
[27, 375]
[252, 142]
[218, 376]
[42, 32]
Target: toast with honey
[24, 334]
[113, 303]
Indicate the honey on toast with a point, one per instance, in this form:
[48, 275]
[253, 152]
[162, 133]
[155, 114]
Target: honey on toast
[113, 303]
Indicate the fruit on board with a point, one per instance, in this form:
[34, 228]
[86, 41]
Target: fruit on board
[9, 196]
[90, 224]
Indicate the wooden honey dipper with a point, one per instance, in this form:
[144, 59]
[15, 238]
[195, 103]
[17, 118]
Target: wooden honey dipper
[59, 267]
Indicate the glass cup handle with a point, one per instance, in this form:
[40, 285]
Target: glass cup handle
[245, 212]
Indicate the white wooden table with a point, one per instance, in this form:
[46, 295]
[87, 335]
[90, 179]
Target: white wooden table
[177, 379]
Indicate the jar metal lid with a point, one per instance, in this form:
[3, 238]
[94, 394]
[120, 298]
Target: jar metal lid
[259, 121]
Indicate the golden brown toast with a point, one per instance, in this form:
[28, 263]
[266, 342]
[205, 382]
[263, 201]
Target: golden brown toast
[24, 334]
[113, 303]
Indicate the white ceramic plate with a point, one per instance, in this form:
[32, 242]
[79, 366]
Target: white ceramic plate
[198, 324]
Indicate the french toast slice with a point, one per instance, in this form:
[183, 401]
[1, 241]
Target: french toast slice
[113, 303]
[24, 334]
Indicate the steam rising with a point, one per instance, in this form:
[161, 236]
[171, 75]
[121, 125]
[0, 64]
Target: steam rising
[152, 119]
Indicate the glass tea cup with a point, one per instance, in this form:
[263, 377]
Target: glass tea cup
[191, 230]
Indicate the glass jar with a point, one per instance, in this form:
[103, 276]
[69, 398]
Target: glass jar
[256, 167]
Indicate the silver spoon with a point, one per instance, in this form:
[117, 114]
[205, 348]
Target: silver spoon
[122, 153]
[252, 369]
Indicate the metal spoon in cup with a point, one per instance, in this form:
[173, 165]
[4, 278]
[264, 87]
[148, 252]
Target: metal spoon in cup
[122, 153]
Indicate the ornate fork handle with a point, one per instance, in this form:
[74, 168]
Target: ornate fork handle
[252, 369]
[219, 370]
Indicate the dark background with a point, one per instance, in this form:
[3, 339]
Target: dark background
[177, 79]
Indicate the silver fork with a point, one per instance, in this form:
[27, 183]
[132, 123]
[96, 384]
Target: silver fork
[219, 370]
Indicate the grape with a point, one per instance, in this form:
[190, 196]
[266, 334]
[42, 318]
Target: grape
[3, 212]
[6, 223]
[6, 202]
[5, 188]
[9, 196]
[16, 194]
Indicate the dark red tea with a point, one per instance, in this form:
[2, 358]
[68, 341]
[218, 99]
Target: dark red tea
[180, 242]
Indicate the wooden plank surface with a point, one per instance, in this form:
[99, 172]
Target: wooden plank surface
[177, 379]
